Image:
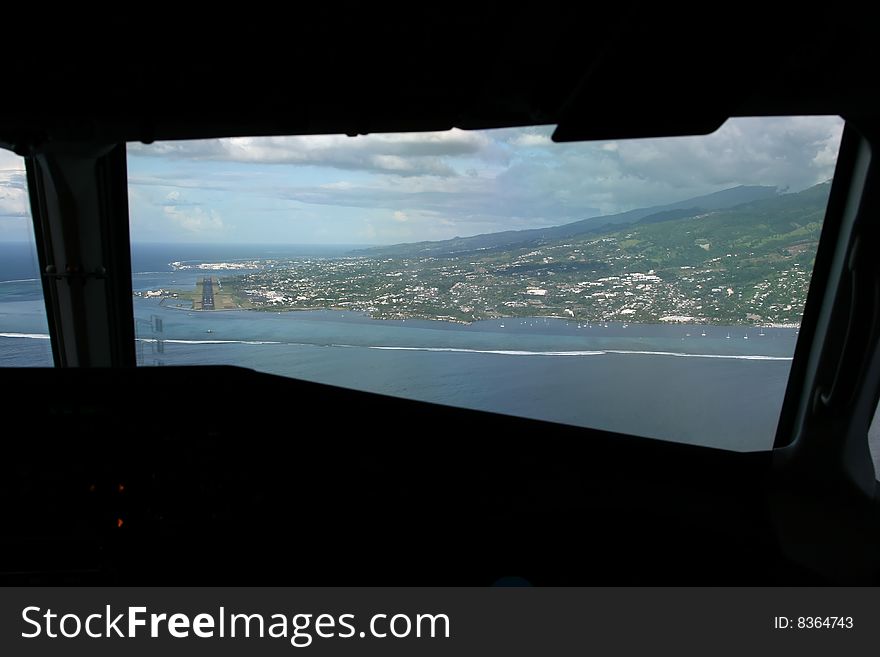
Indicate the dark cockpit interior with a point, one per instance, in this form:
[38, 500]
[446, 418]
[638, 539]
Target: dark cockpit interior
[343, 487]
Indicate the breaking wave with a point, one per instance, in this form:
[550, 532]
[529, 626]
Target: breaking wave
[496, 352]
[603, 352]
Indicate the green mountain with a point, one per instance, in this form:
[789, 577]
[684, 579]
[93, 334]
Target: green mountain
[746, 264]
[509, 239]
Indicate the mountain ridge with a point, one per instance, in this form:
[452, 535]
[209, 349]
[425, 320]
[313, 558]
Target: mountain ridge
[723, 199]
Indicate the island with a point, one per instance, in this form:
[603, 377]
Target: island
[748, 264]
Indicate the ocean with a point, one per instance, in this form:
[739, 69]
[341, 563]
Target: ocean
[684, 383]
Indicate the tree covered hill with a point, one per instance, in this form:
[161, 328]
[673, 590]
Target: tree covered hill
[535, 236]
[746, 264]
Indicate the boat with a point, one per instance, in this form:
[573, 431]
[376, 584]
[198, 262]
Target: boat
[728, 335]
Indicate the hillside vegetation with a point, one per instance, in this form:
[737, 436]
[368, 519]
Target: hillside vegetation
[746, 264]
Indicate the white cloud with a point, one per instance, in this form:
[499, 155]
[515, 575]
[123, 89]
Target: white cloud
[177, 199]
[404, 154]
[9, 161]
[408, 185]
[340, 184]
[13, 200]
[194, 220]
[775, 151]
[13, 185]
[529, 139]
[826, 154]
[788, 152]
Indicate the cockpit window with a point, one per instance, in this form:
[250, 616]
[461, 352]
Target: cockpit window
[24, 331]
[874, 440]
[652, 287]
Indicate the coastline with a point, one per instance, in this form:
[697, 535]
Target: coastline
[449, 320]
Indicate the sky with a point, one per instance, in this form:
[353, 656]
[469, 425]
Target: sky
[390, 188]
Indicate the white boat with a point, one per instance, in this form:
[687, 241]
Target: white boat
[728, 336]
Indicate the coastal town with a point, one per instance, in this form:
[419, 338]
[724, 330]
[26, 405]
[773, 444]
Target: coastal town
[558, 281]
[598, 281]
[745, 266]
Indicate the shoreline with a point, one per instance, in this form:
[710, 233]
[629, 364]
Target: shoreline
[446, 319]
[594, 324]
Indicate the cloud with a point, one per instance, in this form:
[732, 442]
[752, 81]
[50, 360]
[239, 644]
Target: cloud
[530, 139]
[792, 151]
[189, 215]
[13, 186]
[13, 199]
[405, 154]
[459, 197]
[424, 186]
[9, 161]
[568, 182]
[175, 199]
[195, 220]
[788, 152]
